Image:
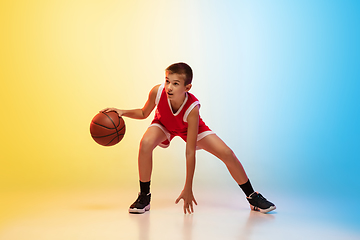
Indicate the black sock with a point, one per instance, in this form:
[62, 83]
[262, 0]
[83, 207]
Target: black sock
[247, 188]
[145, 187]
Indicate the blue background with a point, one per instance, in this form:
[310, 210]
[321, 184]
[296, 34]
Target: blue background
[279, 82]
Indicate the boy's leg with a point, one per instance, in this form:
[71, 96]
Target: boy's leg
[152, 137]
[214, 145]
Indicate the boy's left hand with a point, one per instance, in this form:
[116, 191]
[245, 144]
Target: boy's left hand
[188, 197]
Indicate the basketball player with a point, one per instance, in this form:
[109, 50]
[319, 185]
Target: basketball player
[177, 114]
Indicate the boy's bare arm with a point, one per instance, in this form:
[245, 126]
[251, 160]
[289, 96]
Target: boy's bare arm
[138, 113]
[187, 194]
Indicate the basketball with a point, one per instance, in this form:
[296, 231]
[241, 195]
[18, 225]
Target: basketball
[107, 128]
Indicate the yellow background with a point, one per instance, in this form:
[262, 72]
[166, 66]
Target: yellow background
[62, 62]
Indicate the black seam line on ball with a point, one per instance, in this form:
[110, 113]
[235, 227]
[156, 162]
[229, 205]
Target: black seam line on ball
[110, 141]
[102, 125]
[121, 119]
[107, 127]
[121, 134]
[117, 132]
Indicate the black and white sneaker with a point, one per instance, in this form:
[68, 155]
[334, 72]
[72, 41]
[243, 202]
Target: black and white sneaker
[259, 203]
[142, 204]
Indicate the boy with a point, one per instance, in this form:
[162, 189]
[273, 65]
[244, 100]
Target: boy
[177, 114]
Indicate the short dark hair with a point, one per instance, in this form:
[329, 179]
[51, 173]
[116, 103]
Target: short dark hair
[181, 68]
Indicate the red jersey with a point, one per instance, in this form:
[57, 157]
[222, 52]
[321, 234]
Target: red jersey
[175, 124]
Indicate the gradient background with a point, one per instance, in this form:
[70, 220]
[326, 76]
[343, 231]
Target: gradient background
[278, 82]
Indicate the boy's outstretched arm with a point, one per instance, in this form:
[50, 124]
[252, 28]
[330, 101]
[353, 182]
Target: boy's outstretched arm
[138, 113]
[192, 132]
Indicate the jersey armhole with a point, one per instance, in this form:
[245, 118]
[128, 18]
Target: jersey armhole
[194, 104]
[158, 95]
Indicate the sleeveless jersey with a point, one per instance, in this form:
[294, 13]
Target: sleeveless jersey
[175, 124]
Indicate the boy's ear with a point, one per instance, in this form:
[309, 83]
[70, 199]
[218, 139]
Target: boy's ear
[188, 87]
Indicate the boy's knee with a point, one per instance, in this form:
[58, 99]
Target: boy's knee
[228, 155]
[146, 145]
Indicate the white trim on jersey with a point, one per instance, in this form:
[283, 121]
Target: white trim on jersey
[182, 105]
[194, 104]
[158, 95]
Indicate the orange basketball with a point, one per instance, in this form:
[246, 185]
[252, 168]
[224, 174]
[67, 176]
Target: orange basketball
[107, 128]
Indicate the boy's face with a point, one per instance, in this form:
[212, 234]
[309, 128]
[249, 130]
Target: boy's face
[175, 86]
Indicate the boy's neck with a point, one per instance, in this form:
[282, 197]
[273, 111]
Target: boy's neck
[175, 105]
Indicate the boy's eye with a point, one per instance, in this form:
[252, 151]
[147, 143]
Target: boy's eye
[176, 84]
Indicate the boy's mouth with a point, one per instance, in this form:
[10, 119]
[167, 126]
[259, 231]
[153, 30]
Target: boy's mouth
[170, 94]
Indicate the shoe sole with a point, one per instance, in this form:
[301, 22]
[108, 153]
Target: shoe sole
[139, 211]
[262, 210]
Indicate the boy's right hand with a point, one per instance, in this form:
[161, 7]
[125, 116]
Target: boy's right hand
[118, 111]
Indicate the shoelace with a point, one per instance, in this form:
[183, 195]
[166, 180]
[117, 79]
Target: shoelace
[261, 198]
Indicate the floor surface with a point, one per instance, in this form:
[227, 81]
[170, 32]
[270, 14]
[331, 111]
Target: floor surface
[102, 215]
